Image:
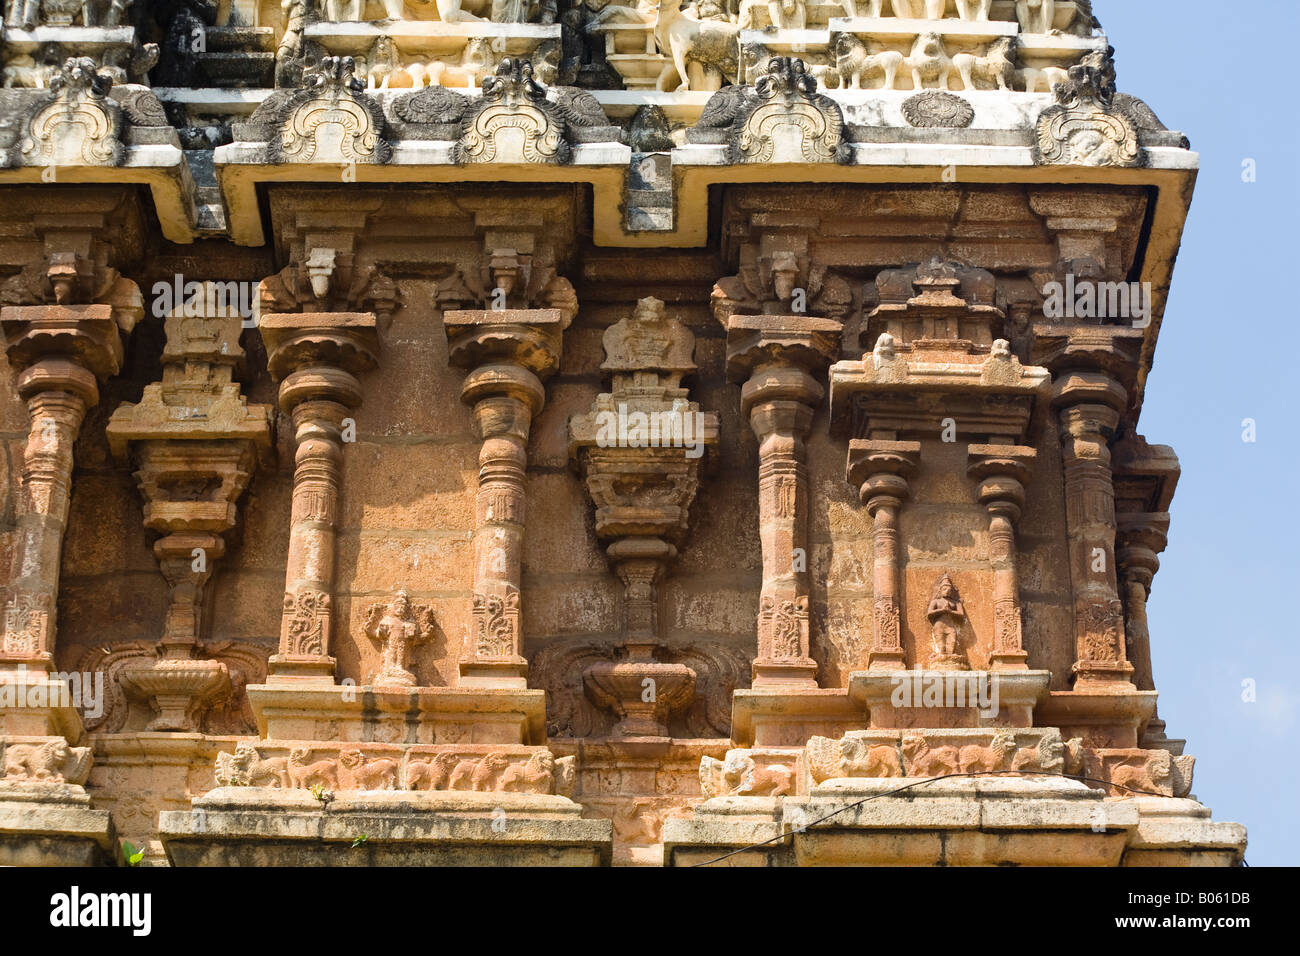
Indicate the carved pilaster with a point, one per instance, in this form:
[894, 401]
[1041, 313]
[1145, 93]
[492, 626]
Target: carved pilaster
[880, 468]
[1091, 366]
[508, 354]
[61, 352]
[316, 357]
[779, 359]
[1002, 471]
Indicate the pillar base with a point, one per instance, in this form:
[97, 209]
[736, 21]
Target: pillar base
[788, 716]
[930, 698]
[789, 675]
[282, 669]
[505, 675]
[1104, 715]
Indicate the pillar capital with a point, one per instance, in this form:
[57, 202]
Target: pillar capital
[318, 355]
[489, 343]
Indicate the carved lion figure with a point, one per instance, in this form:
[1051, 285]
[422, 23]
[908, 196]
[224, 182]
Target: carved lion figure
[304, 775]
[535, 776]
[246, 768]
[854, 63]
[858, 759]
[1150, 776]
[929, 62]
[738, 775]
[381, 63]
[922, 761]
[975, 758]
[379, 774]
[481, 775]
[997, 66]
[1047, 756]
[432, 774]
[50, 762]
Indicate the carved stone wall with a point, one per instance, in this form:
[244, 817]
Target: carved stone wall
[587, 423]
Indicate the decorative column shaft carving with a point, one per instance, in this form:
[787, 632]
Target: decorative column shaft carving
[1139, 539]
[1088, 405]
[775, 357]
[1002, 471]
[880, 468]
[508, 354]
[63, 351]
[316, 357]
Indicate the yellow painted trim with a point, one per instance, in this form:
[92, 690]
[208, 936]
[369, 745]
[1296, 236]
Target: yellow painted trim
[171, 201]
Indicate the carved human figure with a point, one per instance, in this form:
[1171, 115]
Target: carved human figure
[399, 627]
[946, 614]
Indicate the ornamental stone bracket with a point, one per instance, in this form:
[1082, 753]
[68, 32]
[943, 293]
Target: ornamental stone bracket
[780, 268]
[195, 443]
[84, 116]
[512, 122]
[640, 449]
[1086, 128]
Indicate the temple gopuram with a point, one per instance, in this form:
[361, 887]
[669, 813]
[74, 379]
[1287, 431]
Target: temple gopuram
[583, 432]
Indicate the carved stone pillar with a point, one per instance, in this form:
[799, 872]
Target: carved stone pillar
[61, 352]
[1088, 405]
[1139, 539]
[1002, 471]
[1092, 370]
[316, 357]
[880, 468]
[509, 354]
[778, 358]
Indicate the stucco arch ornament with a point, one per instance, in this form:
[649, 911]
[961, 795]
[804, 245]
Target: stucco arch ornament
[513, 121]
[788, 121]
[1086, 128]
[77, 125]
[332, 120]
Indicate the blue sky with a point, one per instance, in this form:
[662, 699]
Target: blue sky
[1220, 607]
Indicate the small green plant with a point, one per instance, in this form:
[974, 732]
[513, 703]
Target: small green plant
[359, 840]
[321, 794]
[131, 854]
